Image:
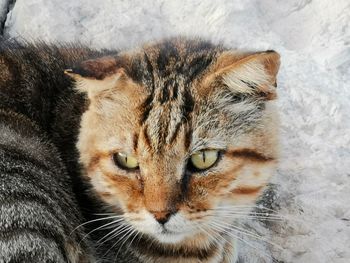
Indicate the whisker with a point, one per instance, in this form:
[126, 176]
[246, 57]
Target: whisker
[140, 238]
[260, 207]
[123, 239]
[246, 210]
[100, 227]
[248, 216]
[91, 221]
[216, 239]
[241, 239]
[238, 208]
[153, 241]
[106, 214]
[132, 240]
[252, 234]
[269, 217]
[223, 212]
[122, 244]
[113, 233]
[250, 213]
[126, 231]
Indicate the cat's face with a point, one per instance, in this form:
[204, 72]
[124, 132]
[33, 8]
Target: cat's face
[179, 136]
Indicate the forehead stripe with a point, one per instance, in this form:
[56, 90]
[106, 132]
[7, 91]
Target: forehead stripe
[147, 105]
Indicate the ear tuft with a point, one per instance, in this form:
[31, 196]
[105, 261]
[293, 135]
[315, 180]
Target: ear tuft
[254, 74]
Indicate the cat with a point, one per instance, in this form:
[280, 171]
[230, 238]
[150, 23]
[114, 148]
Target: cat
[149, 155]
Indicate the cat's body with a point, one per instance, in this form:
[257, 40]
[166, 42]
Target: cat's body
[156, 101]
[38, 207]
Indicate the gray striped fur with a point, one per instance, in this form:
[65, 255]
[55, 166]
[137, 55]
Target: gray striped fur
[38, 211]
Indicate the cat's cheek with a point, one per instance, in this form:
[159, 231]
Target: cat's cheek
[206, 191]
[116, 190]
[250, 183]
[127, 191]
[103, 189]
[241, 184]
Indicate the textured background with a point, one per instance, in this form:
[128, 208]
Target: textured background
[313, 38]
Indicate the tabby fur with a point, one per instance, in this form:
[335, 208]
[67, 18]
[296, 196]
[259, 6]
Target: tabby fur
[161, 102]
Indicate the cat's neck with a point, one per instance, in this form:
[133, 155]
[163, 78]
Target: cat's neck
[194, 250]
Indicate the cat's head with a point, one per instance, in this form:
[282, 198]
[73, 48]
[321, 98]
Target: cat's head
[179, 135]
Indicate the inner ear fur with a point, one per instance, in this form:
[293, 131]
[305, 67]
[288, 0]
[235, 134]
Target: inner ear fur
[251, 74]
[96, 75]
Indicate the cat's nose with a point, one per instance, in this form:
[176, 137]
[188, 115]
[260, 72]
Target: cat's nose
[162, 216]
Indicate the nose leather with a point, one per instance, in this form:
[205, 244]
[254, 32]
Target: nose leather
[161, 216]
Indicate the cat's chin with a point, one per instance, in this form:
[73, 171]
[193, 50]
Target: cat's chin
[167, 237]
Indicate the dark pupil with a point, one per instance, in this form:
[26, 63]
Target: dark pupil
[191, 168]
[118, 162]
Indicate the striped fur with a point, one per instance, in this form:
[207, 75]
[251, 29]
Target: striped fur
[38, 211]
[162, 103]
[191, 95]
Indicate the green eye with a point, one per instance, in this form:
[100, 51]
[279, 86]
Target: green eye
[125, 161]
[204, 159]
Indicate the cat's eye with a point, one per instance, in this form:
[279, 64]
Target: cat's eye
[125, 161]
[203, 160]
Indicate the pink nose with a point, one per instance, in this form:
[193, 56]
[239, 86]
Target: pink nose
[161, 216]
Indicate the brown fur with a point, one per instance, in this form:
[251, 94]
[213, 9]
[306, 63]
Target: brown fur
[164, 102]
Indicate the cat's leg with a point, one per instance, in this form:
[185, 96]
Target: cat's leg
[38, 213]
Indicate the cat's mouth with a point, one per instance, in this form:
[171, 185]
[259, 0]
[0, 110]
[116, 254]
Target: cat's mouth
[173, 231]
[167, 232]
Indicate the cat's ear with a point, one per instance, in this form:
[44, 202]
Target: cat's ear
[96, 75]
[252, 74]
